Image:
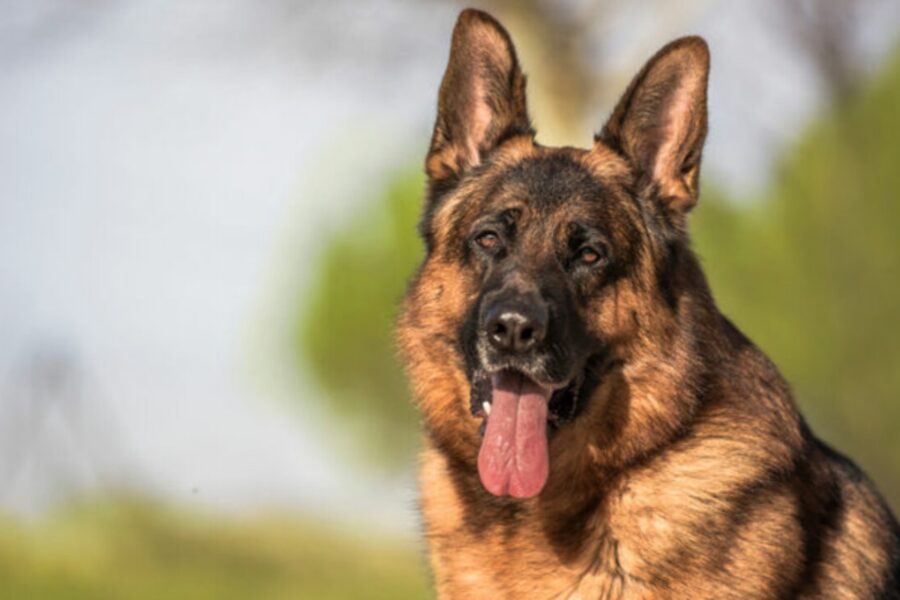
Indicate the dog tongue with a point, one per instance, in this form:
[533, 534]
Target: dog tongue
[513, 457]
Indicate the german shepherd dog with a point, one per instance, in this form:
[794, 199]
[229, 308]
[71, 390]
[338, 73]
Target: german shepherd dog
[595, 427]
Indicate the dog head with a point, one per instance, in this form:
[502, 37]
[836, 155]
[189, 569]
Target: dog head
[545, 267]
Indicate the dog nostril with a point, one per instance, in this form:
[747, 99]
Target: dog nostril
[526, 334]
[499, 329]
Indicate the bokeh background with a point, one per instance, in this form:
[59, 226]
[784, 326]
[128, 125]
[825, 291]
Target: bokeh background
[207, 217]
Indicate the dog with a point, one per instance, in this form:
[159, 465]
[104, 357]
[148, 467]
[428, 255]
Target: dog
[594, 426]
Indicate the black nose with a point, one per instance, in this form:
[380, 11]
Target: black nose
[516, 328]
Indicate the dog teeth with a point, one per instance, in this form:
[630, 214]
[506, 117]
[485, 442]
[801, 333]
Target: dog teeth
[487, 407]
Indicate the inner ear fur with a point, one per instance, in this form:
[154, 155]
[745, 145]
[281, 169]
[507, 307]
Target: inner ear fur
[659, 124]
[481, 101]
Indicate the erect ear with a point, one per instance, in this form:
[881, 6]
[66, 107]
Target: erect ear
[482, 98]
[659, 125]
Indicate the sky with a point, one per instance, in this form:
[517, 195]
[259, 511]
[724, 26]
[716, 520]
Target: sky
[168, 171]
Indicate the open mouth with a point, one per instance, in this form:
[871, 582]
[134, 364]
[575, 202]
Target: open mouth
[513, 459]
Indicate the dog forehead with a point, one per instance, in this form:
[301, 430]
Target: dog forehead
[549, 180]
[557, 183]
[550, 184]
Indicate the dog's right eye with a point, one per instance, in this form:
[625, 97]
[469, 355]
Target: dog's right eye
[488, 240]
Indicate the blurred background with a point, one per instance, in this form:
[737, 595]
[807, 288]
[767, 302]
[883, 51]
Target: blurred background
[207, 217]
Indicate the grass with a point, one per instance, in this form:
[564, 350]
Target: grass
[137, 549]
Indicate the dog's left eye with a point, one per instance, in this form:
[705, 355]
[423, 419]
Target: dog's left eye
[489, 240]
[590, 255]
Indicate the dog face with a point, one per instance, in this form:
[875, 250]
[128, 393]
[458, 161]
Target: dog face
[545, 266]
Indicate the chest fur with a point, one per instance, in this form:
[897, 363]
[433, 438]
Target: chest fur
[654, 536]
[500, 549]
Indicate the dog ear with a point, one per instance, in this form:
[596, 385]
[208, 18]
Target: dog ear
[659, 125]
[481, 101]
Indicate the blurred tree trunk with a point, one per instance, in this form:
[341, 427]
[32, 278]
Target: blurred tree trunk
[553, 44]
[826, 33]
[571, 84]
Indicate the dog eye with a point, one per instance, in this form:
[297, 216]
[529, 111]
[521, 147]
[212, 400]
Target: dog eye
[590, 255]
[489, 240]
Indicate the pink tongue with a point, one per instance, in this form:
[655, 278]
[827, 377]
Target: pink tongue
[513, 457]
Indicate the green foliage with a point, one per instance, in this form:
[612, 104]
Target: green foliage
[137, 550]
[345, 332]
[810, 270]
